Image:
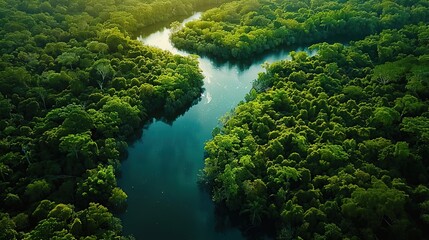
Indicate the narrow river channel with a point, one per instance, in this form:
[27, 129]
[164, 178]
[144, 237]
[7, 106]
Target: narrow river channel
[161, 172]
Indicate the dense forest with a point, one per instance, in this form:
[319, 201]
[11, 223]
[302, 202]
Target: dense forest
[74, 88]
[333, 146]
[241, 29]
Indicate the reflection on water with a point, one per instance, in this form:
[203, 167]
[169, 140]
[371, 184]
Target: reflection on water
[160, 175]
[161, 37]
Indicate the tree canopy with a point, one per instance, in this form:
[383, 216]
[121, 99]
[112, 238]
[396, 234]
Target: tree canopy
[75, 87]
[241, 29]
[333, 146]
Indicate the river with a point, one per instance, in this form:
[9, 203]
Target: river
[161, 172]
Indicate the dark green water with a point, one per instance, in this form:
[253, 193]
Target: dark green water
[160, 174]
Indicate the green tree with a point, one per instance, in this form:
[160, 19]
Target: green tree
[4, 171]
[97, 47]
[104, 71]
[409, 106]
[41, 93]
[7, 227]
[43, 209]
[21, 221]
[5, 107]
[385, 117]
[38, 189]
[81, 143]
[118, 199]
[388, 72]
[374, 205]
[62, 212]
[68, 59]
[292, 214]
[98, 184]
[46, 229]
[96, 219]
[256, 209]
[418, 126]
[129, 116]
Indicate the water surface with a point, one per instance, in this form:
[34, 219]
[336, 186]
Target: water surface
[160, 175]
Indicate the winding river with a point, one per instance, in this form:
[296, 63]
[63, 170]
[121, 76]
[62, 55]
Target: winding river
[161, 172]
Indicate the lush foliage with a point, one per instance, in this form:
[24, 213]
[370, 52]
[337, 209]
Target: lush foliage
[241, 29]
[333, 146]
[74, 87]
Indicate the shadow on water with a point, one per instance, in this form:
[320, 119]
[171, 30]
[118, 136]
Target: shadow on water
[244, 64]
[170, 117]
[161, 173]
[259, 58]
[162, 116]
[148, 30]
[226, 219]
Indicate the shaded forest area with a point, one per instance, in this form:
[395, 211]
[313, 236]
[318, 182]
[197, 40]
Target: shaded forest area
[241, 29]
[74, 87]
[333, 146]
